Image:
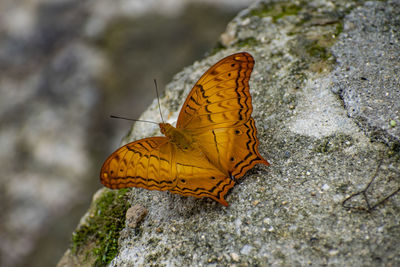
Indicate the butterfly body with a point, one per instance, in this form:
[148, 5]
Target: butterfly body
[177, 136]
[213, 144]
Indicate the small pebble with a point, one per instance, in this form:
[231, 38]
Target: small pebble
[134, 215]
[235, 257]
[333, 252]
[325, 187]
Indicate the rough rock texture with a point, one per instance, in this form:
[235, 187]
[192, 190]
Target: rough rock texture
[368, 75]
[290, 213]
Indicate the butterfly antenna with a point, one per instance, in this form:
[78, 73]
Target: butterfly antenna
[122, 118]
[158, 99]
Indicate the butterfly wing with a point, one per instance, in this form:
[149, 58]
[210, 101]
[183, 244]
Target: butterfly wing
[221, 97]
[157, 164]
[233, 149]
[217, 113]
[144, 163]
[197, 176]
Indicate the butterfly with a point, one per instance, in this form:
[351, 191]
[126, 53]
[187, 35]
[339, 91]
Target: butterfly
[213, 144]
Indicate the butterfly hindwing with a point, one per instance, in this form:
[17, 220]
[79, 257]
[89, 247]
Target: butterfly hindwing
[197, 176]
[156, 164]
[144, 163]
[233, 149]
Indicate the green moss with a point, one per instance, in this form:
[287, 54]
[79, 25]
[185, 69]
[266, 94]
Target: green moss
[101, 231]
[251, 41]
[314, 49]
[276, 10]
[339, 28]
[288, 10]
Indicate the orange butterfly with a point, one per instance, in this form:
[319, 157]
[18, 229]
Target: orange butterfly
[214, 142]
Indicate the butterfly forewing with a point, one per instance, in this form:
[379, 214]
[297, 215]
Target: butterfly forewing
[221, 97]
[217, 113]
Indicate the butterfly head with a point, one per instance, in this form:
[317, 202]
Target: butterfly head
[165, 128]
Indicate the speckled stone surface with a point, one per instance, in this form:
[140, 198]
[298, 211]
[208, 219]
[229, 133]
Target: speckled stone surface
[368, 71]
[291, 213]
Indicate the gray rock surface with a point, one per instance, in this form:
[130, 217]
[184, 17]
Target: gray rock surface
[368, 71]
[290, 213]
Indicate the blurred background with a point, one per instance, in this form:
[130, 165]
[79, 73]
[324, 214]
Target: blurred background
[65, 66]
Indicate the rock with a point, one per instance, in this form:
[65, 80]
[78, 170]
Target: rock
[318, 154]
[367, 75]
[235, 257]
[134, 215]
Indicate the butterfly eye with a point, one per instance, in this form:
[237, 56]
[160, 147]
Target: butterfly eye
[183, 181]
[212, 178]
